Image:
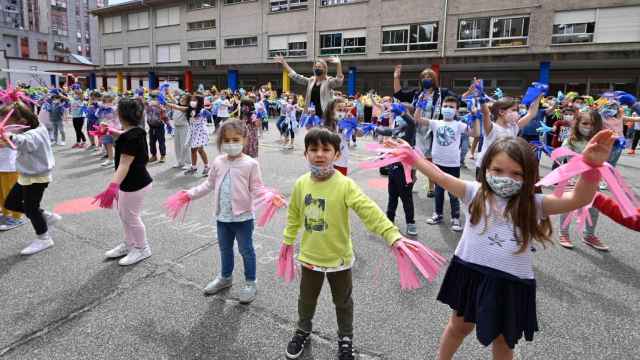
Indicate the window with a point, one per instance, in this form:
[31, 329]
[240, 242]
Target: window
[200, 4]
[113, 57]
[24, 47]
[241, 42]
[139, 55]
[344, 43]
[168, 53]
[411, 37]
[168, 16]
[338, 2]
[288, 45]
[42, 48]
[618, 24]
[112, 24]
[201, 25]
[230, 2]
[58, 45]
[139, 21]
[286, 5]
[204, 44]
[493, 32]
[573, 33]
[202, 63]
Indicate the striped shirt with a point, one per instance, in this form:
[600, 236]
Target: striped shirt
[495, 245]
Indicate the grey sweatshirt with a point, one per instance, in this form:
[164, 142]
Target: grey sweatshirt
[35, 157]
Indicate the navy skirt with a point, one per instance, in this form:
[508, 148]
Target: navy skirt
[498, 303]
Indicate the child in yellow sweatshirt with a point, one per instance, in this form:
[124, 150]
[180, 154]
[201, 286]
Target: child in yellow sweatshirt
[320, 205]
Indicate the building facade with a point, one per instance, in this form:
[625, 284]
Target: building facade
[577, 45]
[49, 30]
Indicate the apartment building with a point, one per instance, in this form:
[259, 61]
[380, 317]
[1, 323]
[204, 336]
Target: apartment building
[577, 45]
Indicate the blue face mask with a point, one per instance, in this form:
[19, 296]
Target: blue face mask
[448, 113]
[426, 84]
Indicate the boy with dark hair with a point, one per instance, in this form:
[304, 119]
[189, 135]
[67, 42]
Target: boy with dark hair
[447, 135]
[320, 205]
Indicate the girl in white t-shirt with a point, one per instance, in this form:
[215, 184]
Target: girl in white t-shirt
[490, 283]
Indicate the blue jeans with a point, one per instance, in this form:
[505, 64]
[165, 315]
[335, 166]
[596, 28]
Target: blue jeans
[464, 147]
[455, 203]
[227, 233]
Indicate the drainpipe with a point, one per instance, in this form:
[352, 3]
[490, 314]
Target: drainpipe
[313, 37]
[444, 29]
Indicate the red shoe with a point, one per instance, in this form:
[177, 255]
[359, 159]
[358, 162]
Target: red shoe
[631, 152]
[75, 146]
[565, 242]
[595, 243]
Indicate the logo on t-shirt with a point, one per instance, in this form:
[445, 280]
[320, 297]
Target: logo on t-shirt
[445, 135]
[314, 214]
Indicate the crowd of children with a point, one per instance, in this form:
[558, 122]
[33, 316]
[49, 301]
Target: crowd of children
[502, 207]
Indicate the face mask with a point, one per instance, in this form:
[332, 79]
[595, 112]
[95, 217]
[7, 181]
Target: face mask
[193, 104]
[232, 149]
[340, 115]
[318, 72]
[321, 172]
[504, 186]
[426, 84]
[584, 131]
[567, 118]
[448, 113]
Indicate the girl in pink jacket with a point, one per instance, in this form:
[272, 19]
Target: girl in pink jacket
[235, 179]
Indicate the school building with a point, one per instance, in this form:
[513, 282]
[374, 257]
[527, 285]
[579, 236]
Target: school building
[587, 46]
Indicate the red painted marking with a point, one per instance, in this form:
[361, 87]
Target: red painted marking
[76, 206]
[378, 183]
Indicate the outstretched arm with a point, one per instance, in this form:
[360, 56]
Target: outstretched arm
[532, 113]
[396, 78]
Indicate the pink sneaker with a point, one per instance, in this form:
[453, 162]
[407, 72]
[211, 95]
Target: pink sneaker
[595, 243]
[75, 146]
[565, 242]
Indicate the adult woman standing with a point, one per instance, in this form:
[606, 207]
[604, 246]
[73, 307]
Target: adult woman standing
[319, 85]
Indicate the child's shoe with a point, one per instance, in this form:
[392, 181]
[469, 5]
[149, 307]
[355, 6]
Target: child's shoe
[11, 223]
[135, 256]
[205, 171]
[190, 171]
[295, 348]
[345, 349]
[107, 163]
[51, 218]
[153, 159]
[435, 219]
[412, 230]
[118, 251]
[455, 225]
[248, 292]
[595, 243]
[565, 242]
[162, 159]
[43, 242]
[218, 284]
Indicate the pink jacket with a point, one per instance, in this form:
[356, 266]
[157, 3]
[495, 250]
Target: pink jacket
[245, 180]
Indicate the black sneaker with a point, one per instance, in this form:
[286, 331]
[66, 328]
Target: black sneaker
[296, 345]
[345, 349]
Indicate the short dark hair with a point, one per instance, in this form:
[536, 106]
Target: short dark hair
[318, 136]
[452, 99]
[131, 111]
[21, 114]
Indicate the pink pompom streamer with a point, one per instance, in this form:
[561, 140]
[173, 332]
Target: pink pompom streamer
[410, 254]
[404, 155]
[12, 95]
[175, 203]
[266, 203]
[620, 190]
[106, 198]
[582, 217]
[4, 129]
[286, 267]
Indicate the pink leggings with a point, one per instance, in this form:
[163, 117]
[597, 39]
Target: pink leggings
[129, 208]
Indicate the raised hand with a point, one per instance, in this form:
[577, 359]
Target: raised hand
[279, 59]
[397, 70]
[333, 60]
[599, 147]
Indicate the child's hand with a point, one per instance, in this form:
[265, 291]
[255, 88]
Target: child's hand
[279, 201]
[395, 143]
[599, 147]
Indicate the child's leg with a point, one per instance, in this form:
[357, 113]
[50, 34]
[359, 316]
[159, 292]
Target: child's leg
[162, 141]
[129, 209]
[590, 230]
[406, 195]
[194, 157]
[203, 155]
[565, 231]
[244, 236]
[109, 151]
[7, 181]
[453, 335]
[341, 287]
[26, 199]
[474, 144]
[439, 200]
[310, 286]
[394, 192]
[226, 236]
[153, 137]
[501, 350]
[453, 201]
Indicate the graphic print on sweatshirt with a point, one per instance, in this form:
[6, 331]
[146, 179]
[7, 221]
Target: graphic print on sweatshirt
[314, 214]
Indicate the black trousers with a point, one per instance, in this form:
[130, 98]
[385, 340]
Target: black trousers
[398, 188]
[26, 199]
[156, 134]
[78, 123]
[636, 139]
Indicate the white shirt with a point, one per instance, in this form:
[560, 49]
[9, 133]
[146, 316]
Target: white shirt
[223, 110]
[495, 245]
[344, 151]
[446, 142]
[7, 159]
[497, 132]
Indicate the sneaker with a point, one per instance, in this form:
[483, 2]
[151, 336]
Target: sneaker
[603, 186]
[153, 159]
[631, 152]
[75, 146]
[37, 245]
[185, 167]
[107, 163]
[345, 349]
[248, 292]
[431, 194]
[565, 242]
[295, 348]
[435, 219]
[455, 225]
[412, 230]
[135, 256]
[11, 223]
[62, 143]
[51, 218]
[190, 171]
[218, 284]
[290, 147]
[179, 166]
[595, 243]
[104, 156]
[118, 251]
[3, 219]
[91, 147]
[162, 159]
[205, 171]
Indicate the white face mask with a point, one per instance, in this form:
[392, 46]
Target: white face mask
[230, 149]
[584, 131]
[448, 113]
[567, 117]
[193, 104]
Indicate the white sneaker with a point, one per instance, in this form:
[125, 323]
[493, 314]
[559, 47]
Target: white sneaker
[135, 255]
[36, 246]
[602, 186]
[51, 218]
[217, 284]
[118, 251]
[107, 163]
[455, 225]
[62, 143]
[248, 292]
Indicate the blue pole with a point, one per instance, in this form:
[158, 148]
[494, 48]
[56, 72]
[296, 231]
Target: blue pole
[232, 79]
[351, 82]
[545, 72]
[92, 81]
[153, 80]
[53, 81]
